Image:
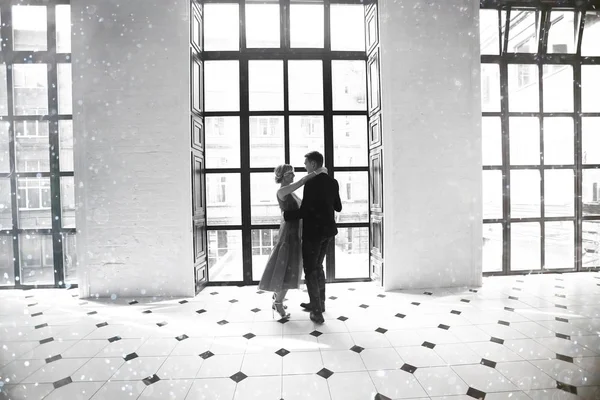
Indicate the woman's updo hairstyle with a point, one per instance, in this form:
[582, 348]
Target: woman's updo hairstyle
[280, 170]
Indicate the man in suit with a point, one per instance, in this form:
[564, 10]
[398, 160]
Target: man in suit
[321, 198]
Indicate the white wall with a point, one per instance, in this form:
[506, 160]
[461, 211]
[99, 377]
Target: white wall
[432, 143]
[132, 148]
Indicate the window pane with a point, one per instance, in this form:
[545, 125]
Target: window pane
[305, 85]
[67, 201]
[225, 257]
[265, 81]
[29, 28]
[524, 194]
[7, 266]
[5, 205]
[4, 146]
[523, 89]
[591, 140]
[266, 141]
[590, 43]
[222, 142]
[31, 145]
[262, 25]
[492, 247]
[65, 132]
[30, 89]
[560, 245]
[33, 195]
[263, 241]
[524, 140]
[558, 88]
[37, 259]
[350, 141]
[222, 85]
[347, 27]
[354, 193]
[591, 244]
[591, 192]
[221, 27]
[523, 31]
[263, 199]
[590, 82]
[306, 25]
[558, 141]
[491, 130]
[352, 253]
[223, 199]
[525, 246]
[349, 84]
[564, 29]
[70, 257]
[306, 134]
[63, 28]
[492, 194]
[3, 92]
[65, 90]
[490, 87]
[559, 193]
[488, 31]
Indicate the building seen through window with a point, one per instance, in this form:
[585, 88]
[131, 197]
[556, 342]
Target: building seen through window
[532, 115]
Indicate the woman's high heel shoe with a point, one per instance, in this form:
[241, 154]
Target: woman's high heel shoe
[280, 308]
[274, 297]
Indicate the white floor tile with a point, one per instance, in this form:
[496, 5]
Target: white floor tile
[370, 340]
[220, 366]
[259, 387]
[212, 389]
[28, 391]
[124, 390]
[157, 347]
[75, 391]
[262, 364]
[440, 381]
[56, 370]
[397, 384]
[343, 361]
[304, 362]
[420, 356]
[17, 370]
[98, 369]
[180, 367]
[335, 341]
[139, 368]
[525, 375]
[383, 358]
[302, 387]
[167, 390]
[483, 378]
[457, 354]
[351, 386]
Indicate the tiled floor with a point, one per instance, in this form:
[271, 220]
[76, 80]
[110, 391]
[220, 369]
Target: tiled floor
[521, 337]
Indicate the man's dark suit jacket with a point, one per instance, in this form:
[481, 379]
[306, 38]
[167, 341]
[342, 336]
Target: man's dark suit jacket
[321, 198]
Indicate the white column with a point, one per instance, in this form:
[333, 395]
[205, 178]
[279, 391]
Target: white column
[432, 143]
[131, 90]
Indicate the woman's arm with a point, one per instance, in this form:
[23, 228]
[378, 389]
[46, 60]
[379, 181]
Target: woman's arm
[286, 190]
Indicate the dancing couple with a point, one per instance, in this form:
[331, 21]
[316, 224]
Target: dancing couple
[303, 245]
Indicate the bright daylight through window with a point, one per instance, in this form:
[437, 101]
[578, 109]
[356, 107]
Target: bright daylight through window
[272, 96]
[540, 81]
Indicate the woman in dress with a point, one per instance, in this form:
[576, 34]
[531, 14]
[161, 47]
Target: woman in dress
[284, 267]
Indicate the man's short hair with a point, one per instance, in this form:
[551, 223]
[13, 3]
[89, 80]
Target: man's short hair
[316, 157]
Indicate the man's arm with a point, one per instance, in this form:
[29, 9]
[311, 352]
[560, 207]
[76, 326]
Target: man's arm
[337, 202]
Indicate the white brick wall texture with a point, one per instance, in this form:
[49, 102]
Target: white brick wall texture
[132, 148]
